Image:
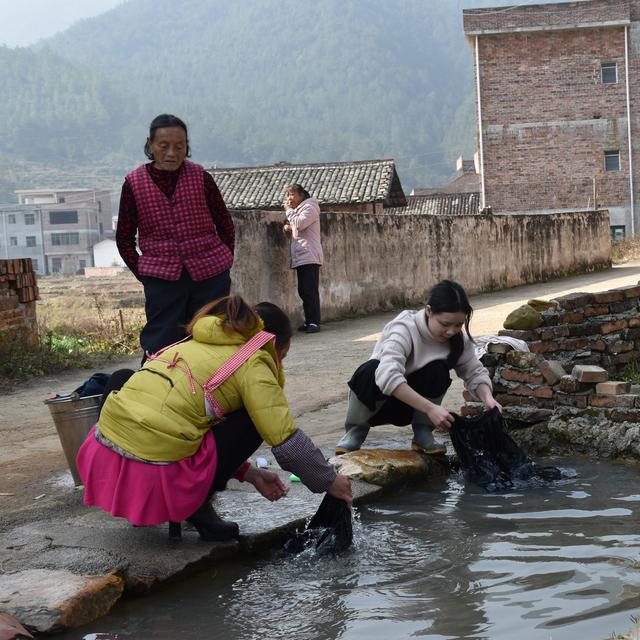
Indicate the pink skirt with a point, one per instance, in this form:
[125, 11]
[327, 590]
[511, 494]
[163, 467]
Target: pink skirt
[143, 493]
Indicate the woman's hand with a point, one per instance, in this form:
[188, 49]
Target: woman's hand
[491, 403]
[440, 418]
[267, 483]
[287, 229]
[341, 489]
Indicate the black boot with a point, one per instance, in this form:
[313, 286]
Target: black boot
[211, 526]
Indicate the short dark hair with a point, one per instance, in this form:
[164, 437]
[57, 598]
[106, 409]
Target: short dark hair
[298, 188]
[160, 122]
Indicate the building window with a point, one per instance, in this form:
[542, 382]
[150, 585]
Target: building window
[61, 200]
[60, 239]
[609, 72]
[11, 218]
[13, 241]
[29, 218]
[617, 232]
[56, 265]
[34, 264]
[31, 241]
[612, 161]
[63, 217]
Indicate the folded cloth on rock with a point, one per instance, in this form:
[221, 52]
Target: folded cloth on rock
[490, 457]
[329, 531]
[483, 342]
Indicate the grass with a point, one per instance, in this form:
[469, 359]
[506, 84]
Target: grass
[631, 372]
[82, 322]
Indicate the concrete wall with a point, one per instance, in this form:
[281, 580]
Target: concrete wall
[376, 262]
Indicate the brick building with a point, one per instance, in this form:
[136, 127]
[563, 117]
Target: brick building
[558, 106]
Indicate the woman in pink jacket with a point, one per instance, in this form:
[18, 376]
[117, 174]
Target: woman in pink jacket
[303, 226]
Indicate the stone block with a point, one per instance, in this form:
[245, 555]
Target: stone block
[599, 400]
[605, 297]
[615, 345]
[625, 415]
[521, 359]
[509, 400]
[568, 384]
[552, 370]
[596, 310]
[617, 359]
[633, 333]
[613, 387]
[589, 373]
[490, 359]
[622, 306]
[524, 317]
[543, 305]
[499, 347]
[597, 344]
[634, 322]
[575, 300]
[520, 375]
[550, 333]
[632, 291]
[550, 318]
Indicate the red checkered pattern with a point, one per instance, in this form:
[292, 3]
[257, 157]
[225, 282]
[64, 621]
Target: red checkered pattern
[177, 232]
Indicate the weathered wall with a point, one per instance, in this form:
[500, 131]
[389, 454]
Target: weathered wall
[375, 262]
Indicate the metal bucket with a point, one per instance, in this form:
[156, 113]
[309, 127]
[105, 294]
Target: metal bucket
[73, 416]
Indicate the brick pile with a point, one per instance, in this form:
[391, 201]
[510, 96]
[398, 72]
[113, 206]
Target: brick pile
[18, 295]
[575, 359]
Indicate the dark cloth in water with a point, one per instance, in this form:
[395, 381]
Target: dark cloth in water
[329, 531]
[489, 457]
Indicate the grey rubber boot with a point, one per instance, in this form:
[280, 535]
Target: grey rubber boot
[353, 439]
[424, 442]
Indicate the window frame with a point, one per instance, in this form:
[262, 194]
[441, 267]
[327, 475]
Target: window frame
[610, 154]
[31, 241]
[607, 67]
[65, 238]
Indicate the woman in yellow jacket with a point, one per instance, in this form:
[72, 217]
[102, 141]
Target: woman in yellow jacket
[186, 422]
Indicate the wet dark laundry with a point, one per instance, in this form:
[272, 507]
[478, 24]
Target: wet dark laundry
[330, 531]
[489, 457]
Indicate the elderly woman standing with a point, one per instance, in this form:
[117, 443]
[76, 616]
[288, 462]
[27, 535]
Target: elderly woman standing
[303, 225]
[184, 232]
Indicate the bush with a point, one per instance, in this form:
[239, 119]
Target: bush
[625, 250]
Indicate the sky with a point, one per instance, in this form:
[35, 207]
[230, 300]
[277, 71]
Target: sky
[27, 21]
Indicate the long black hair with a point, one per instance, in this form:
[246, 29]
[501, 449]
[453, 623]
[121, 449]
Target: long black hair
[449, 297]
[160, 122]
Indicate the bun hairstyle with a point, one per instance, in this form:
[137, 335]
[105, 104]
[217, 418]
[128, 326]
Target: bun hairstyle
[449, 297]
[237, 315]
[160, 122]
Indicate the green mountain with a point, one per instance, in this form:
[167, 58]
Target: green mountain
[257, 81]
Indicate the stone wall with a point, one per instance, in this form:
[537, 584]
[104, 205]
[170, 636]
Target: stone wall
[378, 262]
[18, 293]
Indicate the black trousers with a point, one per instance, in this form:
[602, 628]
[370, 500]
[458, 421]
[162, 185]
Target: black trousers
[309, 291]
[171, 304]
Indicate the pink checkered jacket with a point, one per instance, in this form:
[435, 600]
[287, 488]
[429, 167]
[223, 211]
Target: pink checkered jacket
[177, 232]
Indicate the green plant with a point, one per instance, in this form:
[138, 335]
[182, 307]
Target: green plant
[631, 372]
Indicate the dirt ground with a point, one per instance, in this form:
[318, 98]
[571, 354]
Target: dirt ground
[33, 466]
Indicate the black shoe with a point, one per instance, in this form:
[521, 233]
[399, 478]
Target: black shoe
[312, 328]
[303, 327]
[211, 526]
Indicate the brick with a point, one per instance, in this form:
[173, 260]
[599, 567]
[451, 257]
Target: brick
[571, 317]
[550, 318]
[583, 329]
[550, 333]
[568, 384]
[544, 346]
[589, 373]
[520, 334]
[600, 310]
[579, 401]
[598, 345]
[509, 400]
[634, 322]
[536, 391]
[610, 327]
[631, 334]
[605, 297]
[518, 375]
[575, 300]
[619, 346]
[619, 358]
[521, 359]
[552, 370]
[599, 400]
[613, 387]
[632, 291]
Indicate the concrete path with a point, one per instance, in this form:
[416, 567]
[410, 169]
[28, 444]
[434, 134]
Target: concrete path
[44, 528]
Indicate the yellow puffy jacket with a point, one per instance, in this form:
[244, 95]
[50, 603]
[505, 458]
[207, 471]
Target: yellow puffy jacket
[157, 417]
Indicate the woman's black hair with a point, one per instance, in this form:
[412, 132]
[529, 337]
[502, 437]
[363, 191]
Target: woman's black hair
[449, 297]
[160, 122]
[298, 188]
[276, 321]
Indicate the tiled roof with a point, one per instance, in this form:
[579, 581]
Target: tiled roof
[332, 183]
[440, 204]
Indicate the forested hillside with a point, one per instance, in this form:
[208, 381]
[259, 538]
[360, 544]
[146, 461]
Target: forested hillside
[258, 81]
